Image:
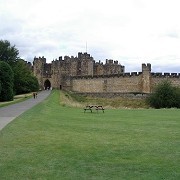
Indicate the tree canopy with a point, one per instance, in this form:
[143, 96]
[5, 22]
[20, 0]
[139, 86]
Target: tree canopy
[23, 81]
[6, 82]
[8, 53]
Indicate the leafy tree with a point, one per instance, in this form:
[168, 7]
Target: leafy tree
[8, 53]
[7, 81]
[0, 86]
[165, 96]
[24, 81]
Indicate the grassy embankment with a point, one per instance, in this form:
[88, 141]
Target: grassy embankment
[71, 99]
[17, 98]
[54, 141]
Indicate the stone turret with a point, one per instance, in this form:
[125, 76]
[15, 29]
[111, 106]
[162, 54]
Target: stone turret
[85, 64]
[146, 78]
[38, 69]
[112, 67]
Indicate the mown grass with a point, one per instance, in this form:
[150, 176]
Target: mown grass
[52, 141]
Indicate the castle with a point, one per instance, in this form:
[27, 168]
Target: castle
[84, 74]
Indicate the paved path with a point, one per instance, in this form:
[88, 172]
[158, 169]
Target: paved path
[8, 113]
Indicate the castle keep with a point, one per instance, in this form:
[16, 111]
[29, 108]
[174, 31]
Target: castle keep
[84, 74]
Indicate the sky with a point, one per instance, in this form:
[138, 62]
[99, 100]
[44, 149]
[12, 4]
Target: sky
[130, 31]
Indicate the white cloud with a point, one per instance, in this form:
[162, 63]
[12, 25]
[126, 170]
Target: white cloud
[131, 31]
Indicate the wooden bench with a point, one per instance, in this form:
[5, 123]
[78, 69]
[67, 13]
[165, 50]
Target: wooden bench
[99, 108]
[90, 108]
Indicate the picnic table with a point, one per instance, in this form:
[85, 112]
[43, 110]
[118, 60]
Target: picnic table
[94, 107]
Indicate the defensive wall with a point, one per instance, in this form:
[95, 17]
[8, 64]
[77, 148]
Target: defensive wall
[120, 84]
[110, 83]
[82, 74]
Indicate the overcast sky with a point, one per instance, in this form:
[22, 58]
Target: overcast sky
[130, 31]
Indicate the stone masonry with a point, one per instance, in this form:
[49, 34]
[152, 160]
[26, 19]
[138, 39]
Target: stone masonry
[84, 74]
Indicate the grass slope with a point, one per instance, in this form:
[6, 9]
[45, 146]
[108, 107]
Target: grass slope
[52, 141]
[72, 99]
[17, 98]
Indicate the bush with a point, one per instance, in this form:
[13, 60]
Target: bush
[177, 92]
[7, 81]
[165, 96]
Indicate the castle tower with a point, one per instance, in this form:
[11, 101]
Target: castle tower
[38, 69]
[85, 64]
[146, 78]
[56, 73]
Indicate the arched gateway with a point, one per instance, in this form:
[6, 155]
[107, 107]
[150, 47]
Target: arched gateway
[47, 84]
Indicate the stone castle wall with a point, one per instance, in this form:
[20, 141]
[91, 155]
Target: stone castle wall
[106, 84]
[156, 78]
[83, 74]
[118, 84]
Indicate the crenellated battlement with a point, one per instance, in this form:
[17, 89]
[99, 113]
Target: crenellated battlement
[40, 59]
[84, 55]
[165, 75]
[130, 74]
[146, 67]
[111, 62]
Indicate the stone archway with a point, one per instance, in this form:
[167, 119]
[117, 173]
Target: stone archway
[47, 84]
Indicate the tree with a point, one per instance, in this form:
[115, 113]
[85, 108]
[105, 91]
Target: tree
[0, 87]
[24, 81]
[7, 81]
[8, 53]
[165, 96]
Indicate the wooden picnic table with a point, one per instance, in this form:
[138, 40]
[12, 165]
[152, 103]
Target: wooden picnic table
[95, 107]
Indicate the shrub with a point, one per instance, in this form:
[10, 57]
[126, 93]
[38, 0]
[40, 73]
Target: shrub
[165, 96]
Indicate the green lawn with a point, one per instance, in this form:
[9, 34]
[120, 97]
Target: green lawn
[52, 141]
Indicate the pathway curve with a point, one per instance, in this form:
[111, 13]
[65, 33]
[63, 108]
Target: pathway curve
[8, 113]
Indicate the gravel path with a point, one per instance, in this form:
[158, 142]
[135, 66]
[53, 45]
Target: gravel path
[8, 113]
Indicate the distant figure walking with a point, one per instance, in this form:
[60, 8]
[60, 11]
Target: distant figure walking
[34, 95]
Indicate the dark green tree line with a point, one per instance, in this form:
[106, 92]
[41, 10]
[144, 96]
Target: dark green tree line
[8, 53]
[23, 81]
[6, 82]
